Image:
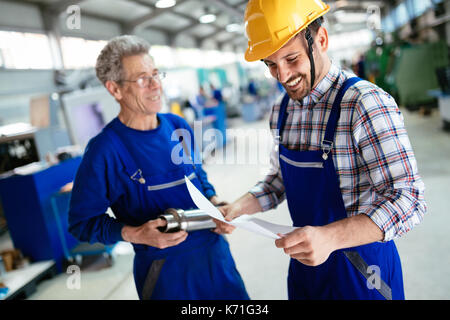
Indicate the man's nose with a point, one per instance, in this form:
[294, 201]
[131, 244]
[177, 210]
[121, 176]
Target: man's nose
[154, 83]
[283, 74]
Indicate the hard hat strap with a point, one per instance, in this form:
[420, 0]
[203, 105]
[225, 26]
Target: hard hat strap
[310, 41]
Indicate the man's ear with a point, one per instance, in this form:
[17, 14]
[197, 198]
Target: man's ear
[114, 89]
[321, 39]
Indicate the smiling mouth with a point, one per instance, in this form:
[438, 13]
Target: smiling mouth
[154, 98]
[293, 83]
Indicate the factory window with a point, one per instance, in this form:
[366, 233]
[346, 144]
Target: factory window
[25, 51]
[387, 24]
[420, 6]
[167, 57]
[163, 56]
[401, 15]
[352, 39]
[74, 58]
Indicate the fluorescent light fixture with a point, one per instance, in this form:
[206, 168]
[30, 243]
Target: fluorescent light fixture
[207, 18]
[162, 4]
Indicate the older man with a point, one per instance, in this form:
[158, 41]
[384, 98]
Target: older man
[129, 167]
[344, 162]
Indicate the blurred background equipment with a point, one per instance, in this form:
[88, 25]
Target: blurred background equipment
[419, 63]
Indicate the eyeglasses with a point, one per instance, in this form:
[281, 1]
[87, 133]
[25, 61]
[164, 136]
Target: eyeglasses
[144, 82]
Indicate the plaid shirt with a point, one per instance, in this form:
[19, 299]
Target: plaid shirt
[372, 153]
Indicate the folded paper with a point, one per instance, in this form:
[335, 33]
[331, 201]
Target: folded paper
[259, 226]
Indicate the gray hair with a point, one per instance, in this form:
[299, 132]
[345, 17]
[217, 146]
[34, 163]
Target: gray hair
[109, 62]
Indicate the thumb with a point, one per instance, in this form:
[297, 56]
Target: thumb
[230, 212]
[159, 222]
[225, 210]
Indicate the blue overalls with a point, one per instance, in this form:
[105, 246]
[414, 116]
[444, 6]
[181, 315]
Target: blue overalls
[201, 267]
[371, 271]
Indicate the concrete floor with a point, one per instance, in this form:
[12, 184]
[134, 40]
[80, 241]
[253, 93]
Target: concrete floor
[425, 251]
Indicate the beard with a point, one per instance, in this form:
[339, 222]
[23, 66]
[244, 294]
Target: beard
[299, 91]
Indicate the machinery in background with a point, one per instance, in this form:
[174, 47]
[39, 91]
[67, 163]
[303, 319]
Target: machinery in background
[37, 214]
[87, 112]
[416, 73]
[17, 146]
[443, 95]
[380, 63]
[407, 71]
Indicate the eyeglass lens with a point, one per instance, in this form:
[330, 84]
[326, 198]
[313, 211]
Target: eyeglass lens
[145, 81]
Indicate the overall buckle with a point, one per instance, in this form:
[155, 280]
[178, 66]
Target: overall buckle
[326, 148]
[137, 176]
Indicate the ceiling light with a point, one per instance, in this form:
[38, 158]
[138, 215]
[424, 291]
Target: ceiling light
[162, 4]
[207, 18]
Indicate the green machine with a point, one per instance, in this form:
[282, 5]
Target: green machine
[407, 71]
[380, 63]
[416, 73]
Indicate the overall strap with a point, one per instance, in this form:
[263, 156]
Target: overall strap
[282, 115]
[328, 139]
[130, 165]
[181, 138]
[186, 150]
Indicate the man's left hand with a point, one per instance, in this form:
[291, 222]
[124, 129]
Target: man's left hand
[310, 245]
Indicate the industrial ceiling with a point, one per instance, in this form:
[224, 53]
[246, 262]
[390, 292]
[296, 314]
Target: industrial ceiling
[182, 19]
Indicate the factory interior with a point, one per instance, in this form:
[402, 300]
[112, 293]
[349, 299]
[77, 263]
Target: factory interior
[52, 104]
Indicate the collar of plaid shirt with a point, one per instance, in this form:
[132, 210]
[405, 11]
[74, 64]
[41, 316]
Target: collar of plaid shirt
[321, 88]
[307, 118]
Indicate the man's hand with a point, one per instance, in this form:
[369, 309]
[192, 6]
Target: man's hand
[313, 245]
[309, 245]
[148, 234]
[223, 228]
[231, 211]
[247, 204]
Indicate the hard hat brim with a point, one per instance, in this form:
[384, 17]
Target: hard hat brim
[252, 56]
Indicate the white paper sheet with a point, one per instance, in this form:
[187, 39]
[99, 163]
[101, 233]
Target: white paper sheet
[255, 225]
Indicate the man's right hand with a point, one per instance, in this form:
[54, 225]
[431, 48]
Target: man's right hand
[149, 234]
[231, 211]
[247, 204]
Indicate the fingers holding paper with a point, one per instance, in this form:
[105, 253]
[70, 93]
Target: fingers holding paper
[230, 211]
[222, 227]
[247, 204]
[309, 245]
[238, 212]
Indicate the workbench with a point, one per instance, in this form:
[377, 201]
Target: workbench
[23, 282]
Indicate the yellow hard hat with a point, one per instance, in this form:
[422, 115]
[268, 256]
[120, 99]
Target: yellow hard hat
[269, 24]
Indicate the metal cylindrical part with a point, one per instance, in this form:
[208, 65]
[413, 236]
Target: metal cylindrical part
[173, 221]
[196, 220]
[189, 220]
